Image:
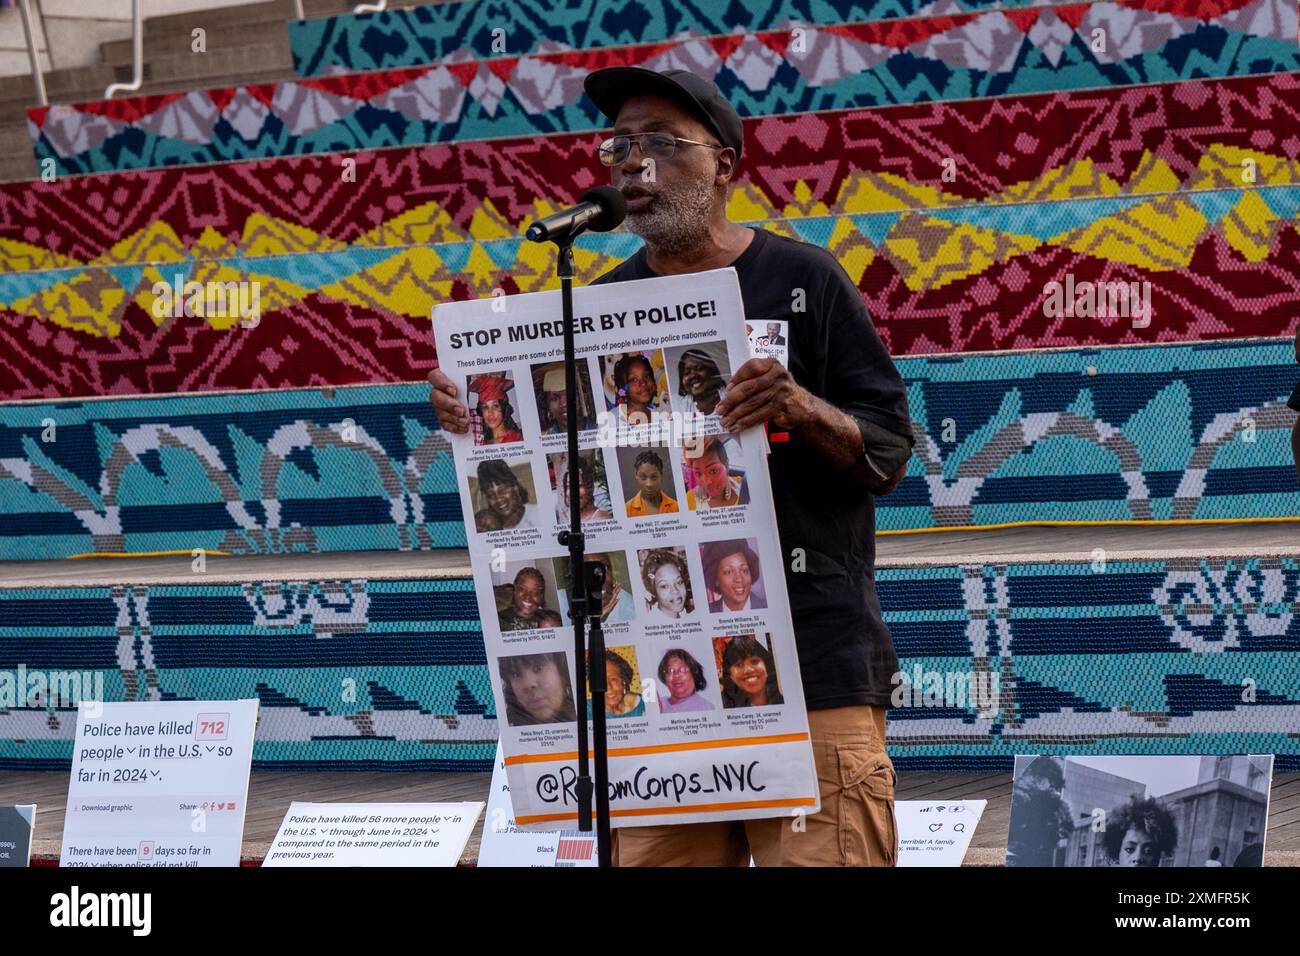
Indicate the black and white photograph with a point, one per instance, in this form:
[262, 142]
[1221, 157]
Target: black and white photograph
[667, 582]
[1139, 811]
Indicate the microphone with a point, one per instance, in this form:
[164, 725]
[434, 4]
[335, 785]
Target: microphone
[600, 210]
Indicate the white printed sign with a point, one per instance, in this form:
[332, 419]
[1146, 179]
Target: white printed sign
[705, 703]
[936, 832]
[373, 834]
[16, 826]
[159, 783]
[504, 844]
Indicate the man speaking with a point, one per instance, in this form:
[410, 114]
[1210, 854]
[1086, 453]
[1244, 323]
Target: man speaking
[674, 149]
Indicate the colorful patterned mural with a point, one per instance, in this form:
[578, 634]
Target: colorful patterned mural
[365, 673]
[835, 67]
[1158, 433]
[1079, 144]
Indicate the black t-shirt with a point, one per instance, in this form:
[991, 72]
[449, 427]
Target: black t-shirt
[1295, 398]
[846, 654]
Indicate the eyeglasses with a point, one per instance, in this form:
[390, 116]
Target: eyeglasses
[615, 150]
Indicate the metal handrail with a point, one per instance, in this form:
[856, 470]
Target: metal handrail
[137, 53]
[379, 7]
[38, 78]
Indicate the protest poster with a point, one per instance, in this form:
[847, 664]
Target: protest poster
[373, 834]
[159, 783]
[706, 709]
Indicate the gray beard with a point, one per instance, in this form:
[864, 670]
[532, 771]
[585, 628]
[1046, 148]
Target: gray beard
[679, 220]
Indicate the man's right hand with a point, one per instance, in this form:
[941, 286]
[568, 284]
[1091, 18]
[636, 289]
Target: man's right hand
[452, 415]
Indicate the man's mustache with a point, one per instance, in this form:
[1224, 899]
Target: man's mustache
[631, 191]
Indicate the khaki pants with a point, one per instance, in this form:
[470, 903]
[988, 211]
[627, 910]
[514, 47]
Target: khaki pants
[854, 827]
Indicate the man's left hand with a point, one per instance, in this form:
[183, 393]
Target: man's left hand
[763, 390]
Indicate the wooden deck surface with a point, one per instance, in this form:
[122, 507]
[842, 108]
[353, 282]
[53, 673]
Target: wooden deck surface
[271, 792]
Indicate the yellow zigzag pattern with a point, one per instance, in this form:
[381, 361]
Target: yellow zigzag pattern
[1222, 167]
[929, 252]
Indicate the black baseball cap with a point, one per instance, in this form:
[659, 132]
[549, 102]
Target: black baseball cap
[611, 87]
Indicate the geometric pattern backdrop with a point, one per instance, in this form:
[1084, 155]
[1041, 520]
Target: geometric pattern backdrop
[989, 54]
[1116, 434]
[418, 35]
[271, 472]
[1219, 263]
[1077, 144]
[351, 674]
[1164, 656]
[1172, 656]
[1149, 433]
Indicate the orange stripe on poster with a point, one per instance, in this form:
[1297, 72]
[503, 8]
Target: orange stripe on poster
[695, 808]
[659, 748]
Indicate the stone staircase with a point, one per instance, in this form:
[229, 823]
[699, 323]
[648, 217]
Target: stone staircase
[244, 44]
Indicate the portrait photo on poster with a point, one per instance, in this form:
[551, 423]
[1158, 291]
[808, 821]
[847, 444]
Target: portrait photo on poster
[617, 605]
[698, 375]
[733, 576]
[635, 384]
[686, 685]
[666, 578]
[623, 697]
[549, 385]
[538, 688]
[714, 473]
[593, 485]
[746, 669]
[647, 480]
[493, 417]
[504, 495]
[526, 596]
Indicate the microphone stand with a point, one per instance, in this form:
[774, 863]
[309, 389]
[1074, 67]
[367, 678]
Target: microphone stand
[586, 590]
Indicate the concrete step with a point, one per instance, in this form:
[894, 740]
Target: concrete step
[183, 70]
[448, 563]
[231, 29]
[268, 14]
[1134, 542]
[265, 63]
[64, 86]
[16, 158]
[226, 28]
[910, 550]
[258, 48]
